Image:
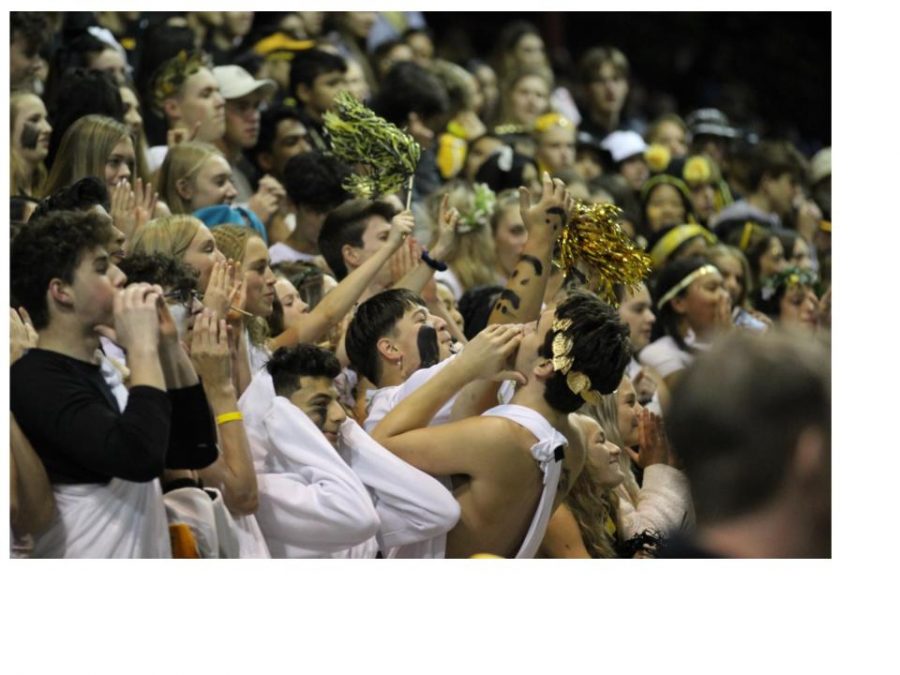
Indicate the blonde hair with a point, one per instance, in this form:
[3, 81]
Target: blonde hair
[22, 180]
[591, 505]
[232, 240]
[607, 414]
[183, 162]
[84, 151]
[170, 235]
[474, 261]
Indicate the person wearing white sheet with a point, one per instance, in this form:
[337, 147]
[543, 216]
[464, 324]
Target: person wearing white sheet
[326, 488]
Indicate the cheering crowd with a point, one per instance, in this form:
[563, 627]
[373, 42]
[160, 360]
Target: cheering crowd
[572, 333]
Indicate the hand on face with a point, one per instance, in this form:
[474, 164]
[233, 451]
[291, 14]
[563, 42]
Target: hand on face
[488, 354]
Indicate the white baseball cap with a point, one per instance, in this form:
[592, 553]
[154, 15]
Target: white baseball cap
[624, 144]
[235, 82]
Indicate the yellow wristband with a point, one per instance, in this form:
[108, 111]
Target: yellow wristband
[228, 417]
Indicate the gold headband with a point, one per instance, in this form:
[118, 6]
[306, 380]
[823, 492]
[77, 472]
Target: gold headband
[578, 382]
[674, 238]
[552, 119]
[684, 283]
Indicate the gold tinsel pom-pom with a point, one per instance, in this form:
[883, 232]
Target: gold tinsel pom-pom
[594, 242]
[657, 157]
[383, 155]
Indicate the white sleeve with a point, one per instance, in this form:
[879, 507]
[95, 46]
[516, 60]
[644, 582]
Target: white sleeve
[664, 503]
[309, 497]
[412, 506]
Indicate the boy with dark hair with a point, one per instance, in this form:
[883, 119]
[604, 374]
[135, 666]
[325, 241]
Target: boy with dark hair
[352, 232]
[314, 185]
[317, 77]
[774, 173]
[103, 446]
[326, 488]
[751, 422]
[282, 135]
[87, 194]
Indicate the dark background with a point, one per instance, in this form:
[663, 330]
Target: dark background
[769, 72]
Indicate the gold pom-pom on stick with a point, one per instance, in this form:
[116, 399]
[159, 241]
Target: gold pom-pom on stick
[383, 155]
[594, 242]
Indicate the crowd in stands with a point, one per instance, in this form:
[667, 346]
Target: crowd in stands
[218, 349]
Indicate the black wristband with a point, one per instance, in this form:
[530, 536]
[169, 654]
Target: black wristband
[432, 263]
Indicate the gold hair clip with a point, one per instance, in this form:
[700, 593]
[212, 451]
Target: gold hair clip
[562, 345]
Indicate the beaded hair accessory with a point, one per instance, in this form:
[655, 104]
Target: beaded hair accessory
[483, 208]
[578, 382]
[172, 74]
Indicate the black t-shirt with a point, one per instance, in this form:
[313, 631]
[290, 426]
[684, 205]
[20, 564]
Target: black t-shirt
[70, 416]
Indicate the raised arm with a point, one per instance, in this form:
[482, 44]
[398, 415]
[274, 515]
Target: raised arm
[520, 301]
[232, 472]
[436, 449]
[416, 279]
[336, 304]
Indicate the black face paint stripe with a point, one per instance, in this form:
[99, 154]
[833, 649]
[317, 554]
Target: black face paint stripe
[537, 264]
[558, 211]
[30, 136]
[427, 342]
[511, 296]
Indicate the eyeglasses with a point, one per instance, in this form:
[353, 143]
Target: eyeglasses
[187, 296]
[184, 296]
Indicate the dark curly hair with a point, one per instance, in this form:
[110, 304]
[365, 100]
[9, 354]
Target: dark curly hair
[374, 319]
[32, 27]
[158, 268]
[315, 180]
[52, 247]
[600, 349]
[408, 87]
[289, 364]
[84, 193]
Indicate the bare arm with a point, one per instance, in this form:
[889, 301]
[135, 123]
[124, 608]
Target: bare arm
[520, 301]
[233, 471]
[336, 304]
[563, 537]
[484, 356]
[419, 276]
[30, 496]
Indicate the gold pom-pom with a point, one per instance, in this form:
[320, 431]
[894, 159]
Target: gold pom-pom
[697, 171]
[383, 155]
[594, 242]
[658, 157]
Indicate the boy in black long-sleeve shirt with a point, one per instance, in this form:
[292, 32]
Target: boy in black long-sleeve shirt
[101, 457]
